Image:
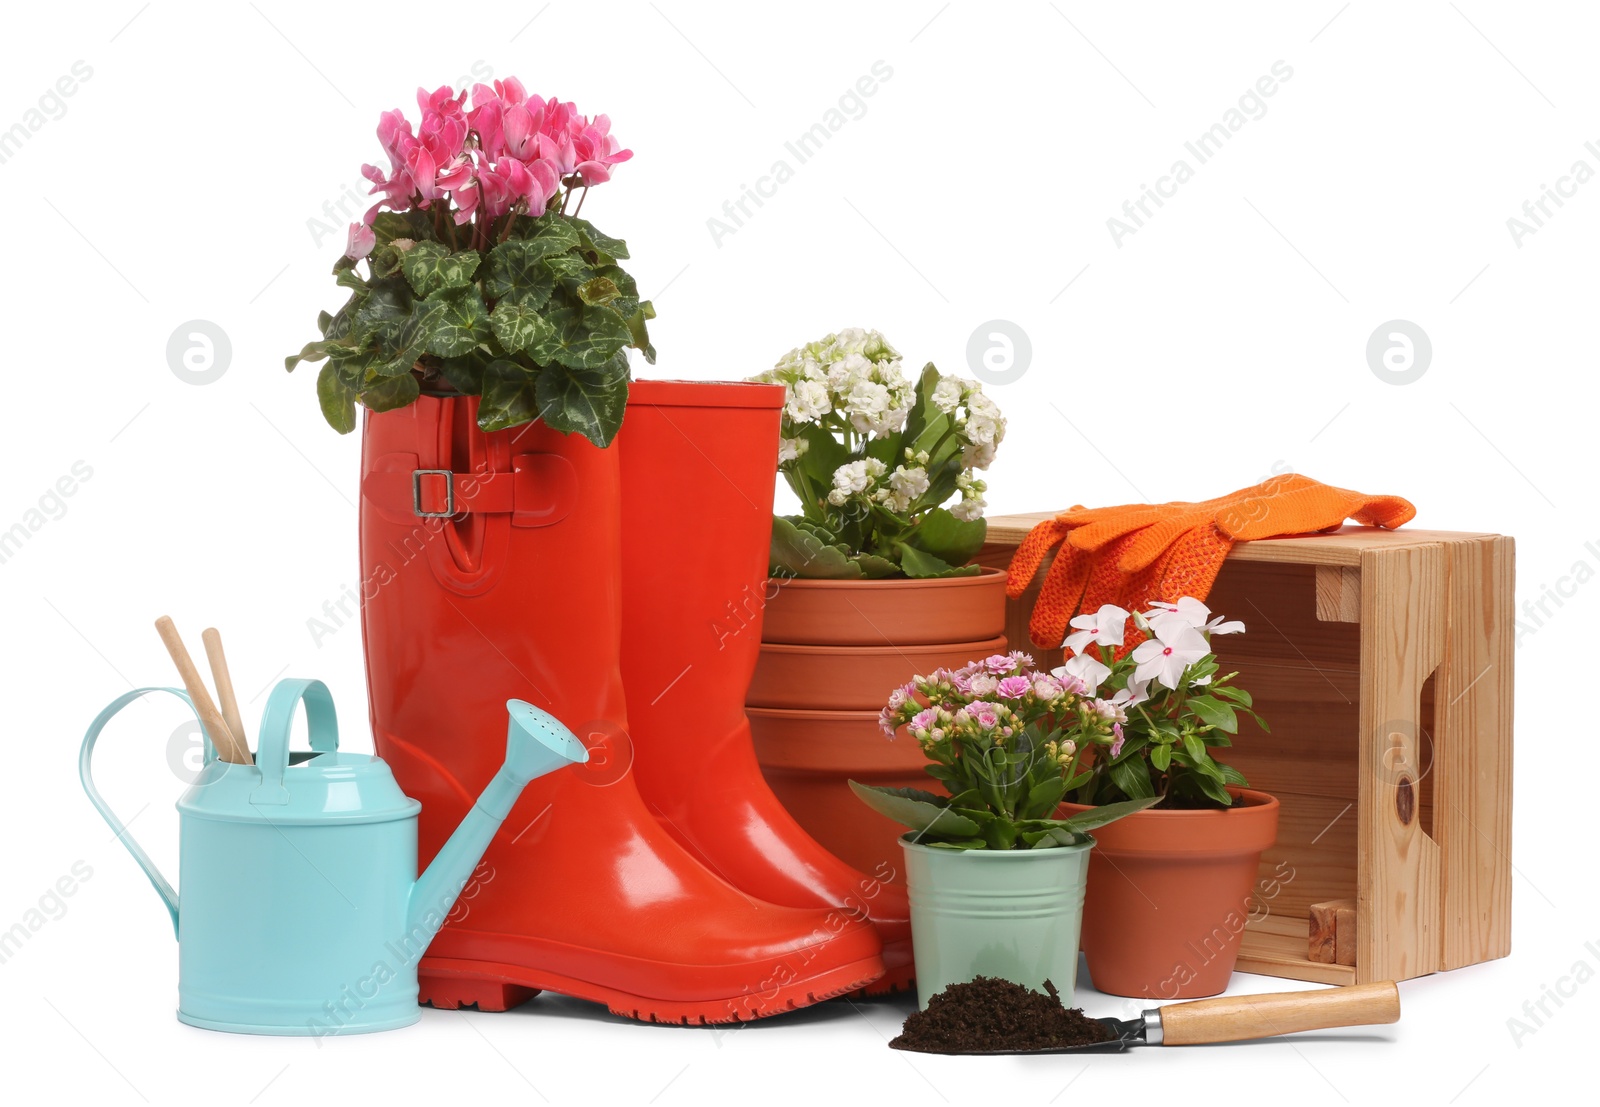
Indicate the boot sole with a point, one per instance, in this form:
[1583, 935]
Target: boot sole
[451, 984]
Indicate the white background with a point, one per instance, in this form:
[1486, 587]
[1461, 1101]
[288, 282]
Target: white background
[1225, 336]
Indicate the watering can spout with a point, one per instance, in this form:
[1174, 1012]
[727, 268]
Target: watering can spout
[536, 744]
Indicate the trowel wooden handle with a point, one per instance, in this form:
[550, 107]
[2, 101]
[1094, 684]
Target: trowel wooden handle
[229, 748]
[1237, 1018]
[212, 639]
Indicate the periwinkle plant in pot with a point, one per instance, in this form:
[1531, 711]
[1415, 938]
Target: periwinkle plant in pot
[996, 874]
[870, 579]
[1169, 888]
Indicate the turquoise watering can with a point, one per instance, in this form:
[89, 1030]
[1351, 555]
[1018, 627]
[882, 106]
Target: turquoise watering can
[302, 912]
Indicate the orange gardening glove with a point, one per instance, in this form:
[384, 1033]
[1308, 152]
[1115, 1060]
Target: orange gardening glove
[1136, 554]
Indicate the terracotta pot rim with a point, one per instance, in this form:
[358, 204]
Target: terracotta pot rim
[1254, 801]
[795, 649]
[1000, 854]
[681, 393]
[985, 576]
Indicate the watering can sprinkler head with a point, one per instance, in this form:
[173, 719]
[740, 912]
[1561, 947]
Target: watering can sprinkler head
[536, 744]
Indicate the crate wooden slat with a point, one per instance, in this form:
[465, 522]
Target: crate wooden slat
[1383, 661]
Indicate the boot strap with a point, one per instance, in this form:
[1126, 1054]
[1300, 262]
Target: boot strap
[539, 490]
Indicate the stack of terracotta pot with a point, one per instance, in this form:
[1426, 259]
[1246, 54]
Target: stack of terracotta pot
[831, 652]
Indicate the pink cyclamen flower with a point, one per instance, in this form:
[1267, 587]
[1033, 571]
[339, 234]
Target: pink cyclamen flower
[360, 241]
[1014, 687]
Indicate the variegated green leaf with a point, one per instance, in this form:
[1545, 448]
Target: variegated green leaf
[600, 290]
[390, 393]
[430, 267]
[599, 242]
[509, 397]
[518, 326]
[514, 274]
[581, 337]
[590, 402]
[458, 321]
[338, 400]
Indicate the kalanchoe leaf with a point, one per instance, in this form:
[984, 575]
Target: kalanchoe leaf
[457, 321]
[509, 399]
[581, 337]
[796, 553]
[1108, 813]
[921, 811]
[337, 399]
[600, 290]
[590, 402]
[518, 326]
[925, 565]
[949, 539]
[389, 393]
[874, 567]
[430, 266]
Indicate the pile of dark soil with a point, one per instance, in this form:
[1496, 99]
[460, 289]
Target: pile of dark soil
[992, 1014]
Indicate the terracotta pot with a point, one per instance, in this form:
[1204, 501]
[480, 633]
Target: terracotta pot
[851, 678]
[831, 652]
[1169, 895]
[807, 756]
[886, 612]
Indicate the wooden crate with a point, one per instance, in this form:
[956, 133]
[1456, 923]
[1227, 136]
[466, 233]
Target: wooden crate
[1382, 660]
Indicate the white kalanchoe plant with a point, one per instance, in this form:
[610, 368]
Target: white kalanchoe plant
[873, 457]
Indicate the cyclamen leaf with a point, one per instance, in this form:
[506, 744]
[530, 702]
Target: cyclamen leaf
[557, 232]
[600, 290]
[590, 402]
[565, 265]
[391, 393]
[636, 329]
[459, 322]
[337, 399]
[430, 267]
[518, 326]
[514, 273]
[310, 352]
[598, 241]
[509, 397]
[581, 338]
[390, 225]
[465, 373]
[382, 314]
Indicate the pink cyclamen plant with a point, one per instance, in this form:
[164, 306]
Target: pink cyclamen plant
[509, 153]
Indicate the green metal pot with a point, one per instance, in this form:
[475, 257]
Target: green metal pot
[1013, 914]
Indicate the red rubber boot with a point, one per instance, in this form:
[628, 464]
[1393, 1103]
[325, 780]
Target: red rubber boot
[491, 569]
[698, 466]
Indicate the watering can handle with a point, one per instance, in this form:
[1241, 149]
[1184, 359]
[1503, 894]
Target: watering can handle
[163, 889]
[277, 720]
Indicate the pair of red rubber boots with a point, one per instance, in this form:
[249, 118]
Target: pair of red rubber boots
[621, 590]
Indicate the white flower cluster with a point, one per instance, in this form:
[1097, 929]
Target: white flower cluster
[857, 380]
[855, 373]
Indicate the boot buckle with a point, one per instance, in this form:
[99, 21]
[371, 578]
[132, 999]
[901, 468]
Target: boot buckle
[449, 493]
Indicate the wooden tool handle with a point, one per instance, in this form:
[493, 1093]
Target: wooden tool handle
[224, 682]
[1238, 1018]
[228, 748]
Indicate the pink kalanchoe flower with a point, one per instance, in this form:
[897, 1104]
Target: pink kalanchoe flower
[982, 684]
[888, 723]
[1014, 687]
[1048, 687]
[360, 241]
[924, 719]
[985, 714]
[1116, 746]
[999, 663]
